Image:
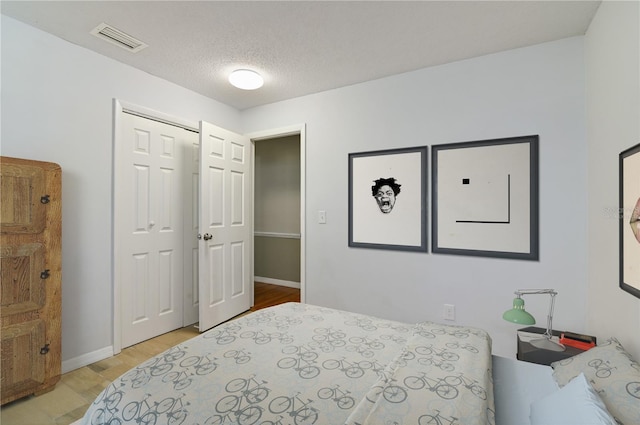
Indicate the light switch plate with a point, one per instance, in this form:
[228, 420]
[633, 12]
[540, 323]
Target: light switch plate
[322, 217]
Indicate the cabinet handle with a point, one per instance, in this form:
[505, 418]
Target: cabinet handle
[45, 274]
[44, 199]
[45, 349]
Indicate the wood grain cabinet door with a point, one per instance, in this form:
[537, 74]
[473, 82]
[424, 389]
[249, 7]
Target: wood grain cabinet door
[23, 364]
[30, 277]
[23, 199]
[21, 279]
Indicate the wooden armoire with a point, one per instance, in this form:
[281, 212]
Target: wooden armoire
[30, 277]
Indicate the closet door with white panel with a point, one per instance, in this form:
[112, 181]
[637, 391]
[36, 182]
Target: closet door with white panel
[150, 208]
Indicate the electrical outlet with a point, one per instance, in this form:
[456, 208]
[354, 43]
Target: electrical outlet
[449, 312]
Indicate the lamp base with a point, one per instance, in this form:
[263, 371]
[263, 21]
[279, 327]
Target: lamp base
[547, 344]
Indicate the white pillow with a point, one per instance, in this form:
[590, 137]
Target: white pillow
[577, 403]
[613, 373]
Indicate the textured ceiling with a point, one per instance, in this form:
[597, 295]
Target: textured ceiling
[302, 47]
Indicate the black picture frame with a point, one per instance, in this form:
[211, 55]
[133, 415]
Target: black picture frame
[397, 221]
[485, 198]
[629, 220]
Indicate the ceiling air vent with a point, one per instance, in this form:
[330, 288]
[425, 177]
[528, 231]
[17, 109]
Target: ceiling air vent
[117, 37]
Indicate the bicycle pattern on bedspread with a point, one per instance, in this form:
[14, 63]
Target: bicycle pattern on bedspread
[298, 364]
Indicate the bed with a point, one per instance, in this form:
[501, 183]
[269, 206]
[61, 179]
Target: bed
[303, 364]
[299, 364]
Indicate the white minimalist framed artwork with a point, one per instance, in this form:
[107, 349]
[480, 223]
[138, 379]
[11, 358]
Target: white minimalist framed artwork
[485, 198]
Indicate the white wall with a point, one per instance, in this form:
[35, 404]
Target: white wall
[535, 90]
[57, 106]
[612, 51]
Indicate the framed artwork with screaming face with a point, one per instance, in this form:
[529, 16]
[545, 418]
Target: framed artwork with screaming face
[388, 199]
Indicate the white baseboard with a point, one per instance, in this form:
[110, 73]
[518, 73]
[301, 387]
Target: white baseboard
[106, 352]
[279, 282]
[87, 359]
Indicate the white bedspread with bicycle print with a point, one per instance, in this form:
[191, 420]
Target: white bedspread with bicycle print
[302, 364]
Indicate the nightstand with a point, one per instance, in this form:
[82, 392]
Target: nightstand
[529, 353]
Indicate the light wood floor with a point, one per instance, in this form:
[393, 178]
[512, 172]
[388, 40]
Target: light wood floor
[77, 389]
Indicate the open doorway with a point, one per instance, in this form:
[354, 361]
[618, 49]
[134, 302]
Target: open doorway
[278, 216]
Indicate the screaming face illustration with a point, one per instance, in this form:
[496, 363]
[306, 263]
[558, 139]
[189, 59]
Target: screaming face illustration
[385, 191]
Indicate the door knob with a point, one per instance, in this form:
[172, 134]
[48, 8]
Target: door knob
[207, 237]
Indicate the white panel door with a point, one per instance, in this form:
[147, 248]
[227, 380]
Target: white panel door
[149, 222]
[191, 193]
[226, 209]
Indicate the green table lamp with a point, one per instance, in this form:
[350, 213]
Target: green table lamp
[520, 316]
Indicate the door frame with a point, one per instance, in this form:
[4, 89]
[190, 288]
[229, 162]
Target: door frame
[300, 130]
[120, 107]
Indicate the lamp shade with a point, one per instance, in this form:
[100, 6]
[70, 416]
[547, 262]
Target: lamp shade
[518, 314]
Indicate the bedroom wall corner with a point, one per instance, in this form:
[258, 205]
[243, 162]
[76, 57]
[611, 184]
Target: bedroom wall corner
[57, 106]
[612, 54]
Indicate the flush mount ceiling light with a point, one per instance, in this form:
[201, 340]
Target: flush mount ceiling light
[246, 79]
